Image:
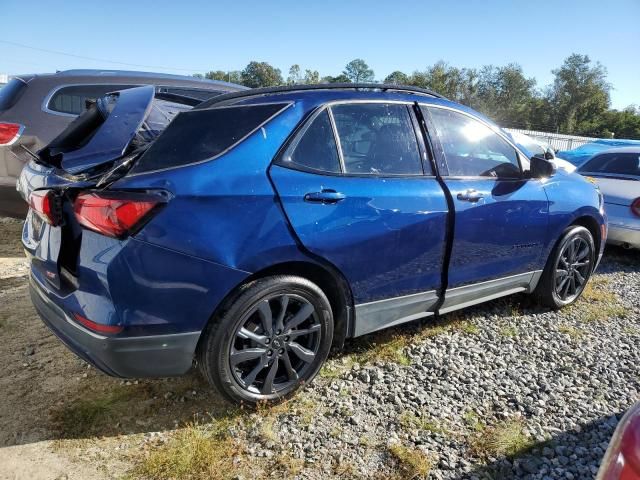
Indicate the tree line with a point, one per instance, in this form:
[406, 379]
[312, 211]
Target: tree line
[576, 102]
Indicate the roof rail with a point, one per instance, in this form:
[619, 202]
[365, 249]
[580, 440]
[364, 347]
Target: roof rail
[385, 87]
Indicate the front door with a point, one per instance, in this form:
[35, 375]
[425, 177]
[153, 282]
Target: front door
[500, 215]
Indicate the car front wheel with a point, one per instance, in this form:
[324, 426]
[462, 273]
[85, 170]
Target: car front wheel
[568, 269]
[272, 339]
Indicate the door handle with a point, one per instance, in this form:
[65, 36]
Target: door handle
[325, 196]
[470, 195]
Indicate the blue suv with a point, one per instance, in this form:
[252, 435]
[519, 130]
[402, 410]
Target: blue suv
[255, 231]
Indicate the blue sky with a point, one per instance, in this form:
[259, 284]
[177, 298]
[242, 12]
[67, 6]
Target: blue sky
[196, 36]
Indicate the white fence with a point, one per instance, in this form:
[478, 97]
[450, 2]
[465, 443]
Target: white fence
[556, 140]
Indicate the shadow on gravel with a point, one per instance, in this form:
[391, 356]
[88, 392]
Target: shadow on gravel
[618, 259]
[578, 452]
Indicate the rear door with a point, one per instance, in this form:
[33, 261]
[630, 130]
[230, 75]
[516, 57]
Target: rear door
[501, 216]
[353, 185]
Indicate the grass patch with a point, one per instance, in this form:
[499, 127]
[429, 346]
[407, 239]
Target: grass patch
[195, 452]
[574, 333]
[468, 328]
[386, 347]
[632, 331]
[411, 461]
[504, 439]
[509, 332]
[472, 420]
[337, 368]
[290, 466]
[598, 302]
[410, 421]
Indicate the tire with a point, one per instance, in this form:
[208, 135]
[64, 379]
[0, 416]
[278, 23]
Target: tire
[574, 254]
[254, 353]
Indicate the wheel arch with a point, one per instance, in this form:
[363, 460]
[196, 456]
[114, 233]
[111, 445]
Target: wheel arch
[328, 278]
[590, 223]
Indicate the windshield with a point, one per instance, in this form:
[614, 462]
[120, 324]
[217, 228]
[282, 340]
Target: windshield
[627, 163]
[528, 144]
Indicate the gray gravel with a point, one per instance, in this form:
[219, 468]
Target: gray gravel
[565, 380]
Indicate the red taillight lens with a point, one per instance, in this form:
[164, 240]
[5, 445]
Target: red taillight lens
[45, 204]
[97, 327]
[635, 207]
[9, 133]
[112, 213]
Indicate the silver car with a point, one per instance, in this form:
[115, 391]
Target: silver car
[617, 173]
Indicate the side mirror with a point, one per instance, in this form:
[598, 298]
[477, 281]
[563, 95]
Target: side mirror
[541, 168]
[549, 154]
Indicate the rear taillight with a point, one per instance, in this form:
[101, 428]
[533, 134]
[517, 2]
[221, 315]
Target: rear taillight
[97, 327]
[46, 205]
[9, 133]
[635, 207]
[115, 214]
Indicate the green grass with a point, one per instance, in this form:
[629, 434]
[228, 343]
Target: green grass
[473, 422]
[412, 463]
[572, 332]
[598, 302]
[195, 452]
[504, 439]
[509, 331]
[410, 421]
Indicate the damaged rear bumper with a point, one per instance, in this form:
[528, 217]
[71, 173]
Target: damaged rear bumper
[128, 357]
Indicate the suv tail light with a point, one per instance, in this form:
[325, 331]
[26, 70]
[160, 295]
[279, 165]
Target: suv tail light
[46, 204]
[635, 207]
[9, 133]
[115, 214]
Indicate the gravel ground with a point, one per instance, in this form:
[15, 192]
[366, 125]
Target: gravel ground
[502, 390]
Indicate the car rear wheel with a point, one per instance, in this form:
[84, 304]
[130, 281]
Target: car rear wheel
[568, 269]
[272, 339]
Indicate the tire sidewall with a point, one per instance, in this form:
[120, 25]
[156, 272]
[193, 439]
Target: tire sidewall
[221, 337]
[567, 236]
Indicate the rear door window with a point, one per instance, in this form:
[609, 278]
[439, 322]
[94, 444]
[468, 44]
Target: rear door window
[377, 139]
[199, 135]
[315, 148]
[73, 99]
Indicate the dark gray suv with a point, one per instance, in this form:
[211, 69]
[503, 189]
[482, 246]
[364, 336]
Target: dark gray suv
[34, 109]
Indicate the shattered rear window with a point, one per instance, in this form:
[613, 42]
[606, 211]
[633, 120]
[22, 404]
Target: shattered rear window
[200, 135]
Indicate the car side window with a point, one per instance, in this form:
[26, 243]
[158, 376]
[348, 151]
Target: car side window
[72, 99]
[471, 148]
[377, 138]
[315, 147]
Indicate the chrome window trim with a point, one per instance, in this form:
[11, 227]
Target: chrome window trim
[301, 129]
[336, 139]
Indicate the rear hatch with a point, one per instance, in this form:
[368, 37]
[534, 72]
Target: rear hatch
[66, 183]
